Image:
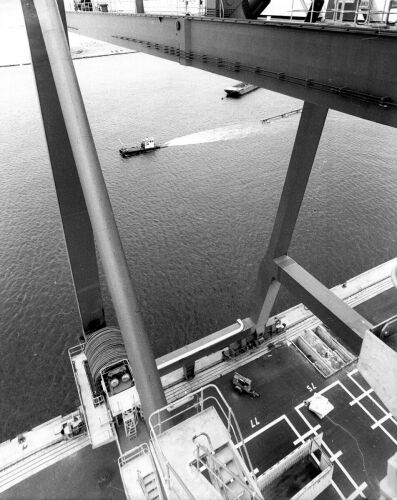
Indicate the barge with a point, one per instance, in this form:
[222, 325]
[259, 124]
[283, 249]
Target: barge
[240, 89]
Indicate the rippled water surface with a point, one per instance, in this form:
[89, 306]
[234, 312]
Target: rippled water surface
[194, 219]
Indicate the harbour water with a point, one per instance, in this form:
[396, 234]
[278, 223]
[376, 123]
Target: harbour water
[194, 218]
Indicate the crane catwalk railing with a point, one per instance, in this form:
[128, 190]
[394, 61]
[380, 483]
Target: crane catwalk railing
[364, 12]
[196, 402]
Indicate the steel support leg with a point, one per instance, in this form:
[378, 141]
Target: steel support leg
[76, 223]
[347, 324]
[305, 147]
[106, 234]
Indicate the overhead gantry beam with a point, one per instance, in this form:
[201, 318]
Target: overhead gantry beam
[348, 69]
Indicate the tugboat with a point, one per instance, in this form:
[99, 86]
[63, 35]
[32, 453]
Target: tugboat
[239, 89]
[146, 145]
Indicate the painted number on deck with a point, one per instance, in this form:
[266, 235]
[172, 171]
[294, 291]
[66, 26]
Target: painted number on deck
[254, 423]
[311, 387]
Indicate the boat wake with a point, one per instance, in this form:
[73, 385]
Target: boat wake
[229, 132]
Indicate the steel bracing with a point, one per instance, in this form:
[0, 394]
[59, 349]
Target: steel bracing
[328, 66]
[75, 220]
[346, 68]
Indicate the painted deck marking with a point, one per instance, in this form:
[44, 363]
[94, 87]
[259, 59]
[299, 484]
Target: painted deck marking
[342, 467]
[358, 402]
[380, 422]
[336, 487]
[327, 448]
[332, 482]
[297, 408]
[370, 397]
[292, 426]
[261, 430]
[311, 387]
[334, 457]
[254, 424]
[386, 413]
[388, 434]
[360, 397]
[330, 386]
[313, 430]
[358, 491]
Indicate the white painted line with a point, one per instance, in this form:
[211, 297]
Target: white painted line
[335, 457]
[359, 403]
[325, 389]
[371, 416]
[353, 372]
[341, 466]
[370, 397]
[329, 387]
[302, 416]
[307, 434]
[388, 434]
[380, 422]
[292, 426]
[341, 495]
[381, 408]
[327, 448]
[347, 390]
[261, 430]
[358, 491]
[360, 397]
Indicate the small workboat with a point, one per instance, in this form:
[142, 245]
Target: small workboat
[146, 145]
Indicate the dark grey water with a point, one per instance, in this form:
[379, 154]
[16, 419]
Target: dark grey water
[194, 219]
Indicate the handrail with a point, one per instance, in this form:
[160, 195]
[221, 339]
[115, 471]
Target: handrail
[77, 349]
[79, 391]
[236, 431]
[140, 481]
[178, 478]
[221, 466]
[98, 400]
[369, 14]
[142, 449]
[131, 454]
[232, 424]
[163, 462]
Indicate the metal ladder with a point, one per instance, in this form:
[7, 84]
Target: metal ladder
[149, 485]
[130, 419]
[223, 469]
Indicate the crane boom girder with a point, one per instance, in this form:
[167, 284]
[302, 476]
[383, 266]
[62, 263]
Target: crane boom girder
[349, 69]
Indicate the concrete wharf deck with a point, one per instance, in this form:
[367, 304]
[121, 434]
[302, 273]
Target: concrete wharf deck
[359, 434]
